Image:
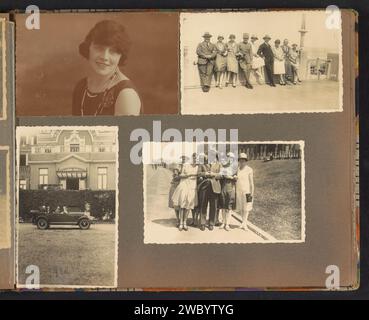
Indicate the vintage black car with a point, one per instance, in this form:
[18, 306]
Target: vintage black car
[43, 220]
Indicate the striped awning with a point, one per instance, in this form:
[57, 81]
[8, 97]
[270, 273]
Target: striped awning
[72, 173]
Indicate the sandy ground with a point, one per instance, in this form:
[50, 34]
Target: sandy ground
[312, 95]
[160, 221]
[67, 255]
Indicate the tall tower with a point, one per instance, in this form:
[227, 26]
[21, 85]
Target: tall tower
[302, 31]
[303, 54]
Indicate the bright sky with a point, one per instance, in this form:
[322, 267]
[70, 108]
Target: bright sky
[279, 25]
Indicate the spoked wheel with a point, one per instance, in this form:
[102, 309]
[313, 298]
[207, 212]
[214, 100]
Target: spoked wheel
[84, 224]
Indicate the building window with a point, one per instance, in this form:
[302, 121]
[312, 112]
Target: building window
[23, 184]
[47, 150]
[23, 141]
[101, 149]
[102, 178]
[74, 147]
[44, 175]
[23, 160]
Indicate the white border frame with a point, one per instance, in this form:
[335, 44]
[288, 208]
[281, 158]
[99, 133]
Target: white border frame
[181, 71]
[20, 130]
[303, 214]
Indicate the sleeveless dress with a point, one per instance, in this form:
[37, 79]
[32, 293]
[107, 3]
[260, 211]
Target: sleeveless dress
[93, 101]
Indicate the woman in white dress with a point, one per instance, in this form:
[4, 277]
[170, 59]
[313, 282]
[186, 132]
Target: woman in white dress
[257, 61]
[185, 195]
[244, 189]
[279, 66]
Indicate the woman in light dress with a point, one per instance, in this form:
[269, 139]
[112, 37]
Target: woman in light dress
[176, 170]
[220, 62]
[232, 63]
[257, 61]
[244, 190]
[279, 66]
[185, 195]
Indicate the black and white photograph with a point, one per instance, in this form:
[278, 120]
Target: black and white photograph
[4, 198]
[261, 62]
[67, 205]
[2, 71]
[245, 192]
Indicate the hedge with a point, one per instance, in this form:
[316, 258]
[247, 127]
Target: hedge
[100, 201]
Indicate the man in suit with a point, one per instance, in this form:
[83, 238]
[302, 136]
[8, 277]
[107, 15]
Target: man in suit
[265, 51]
[206, 52]
[245, 58]
[208, 192]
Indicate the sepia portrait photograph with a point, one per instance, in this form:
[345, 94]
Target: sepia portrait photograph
[246, 192]
[95, 64]
[260, 62]
[4, 198]
[67, 205]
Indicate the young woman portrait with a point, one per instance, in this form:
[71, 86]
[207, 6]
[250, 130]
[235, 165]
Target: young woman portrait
[106, 90]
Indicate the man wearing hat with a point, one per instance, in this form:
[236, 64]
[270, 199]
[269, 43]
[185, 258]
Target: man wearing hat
[245, 58]
[244, 189]
[209, 190]
[293, 58]
[206, 52]
[265, 51]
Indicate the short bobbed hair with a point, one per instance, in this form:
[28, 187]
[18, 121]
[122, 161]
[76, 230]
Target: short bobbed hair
[107, 33]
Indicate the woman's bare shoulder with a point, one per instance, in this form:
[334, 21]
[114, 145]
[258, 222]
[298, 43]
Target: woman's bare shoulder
[128, 102]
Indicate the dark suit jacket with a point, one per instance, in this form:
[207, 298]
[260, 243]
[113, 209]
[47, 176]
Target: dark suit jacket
[245, 51]
[213, 168]
[265, 51]
[203, 50]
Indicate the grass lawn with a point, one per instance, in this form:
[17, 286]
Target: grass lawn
[68, 256]
[277, 198]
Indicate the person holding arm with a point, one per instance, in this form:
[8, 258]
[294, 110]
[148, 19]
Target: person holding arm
[185, 195]
[245, 59]
[228, 192]
[209, 190]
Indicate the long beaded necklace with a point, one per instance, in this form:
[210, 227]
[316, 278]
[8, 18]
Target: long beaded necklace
[100, 107]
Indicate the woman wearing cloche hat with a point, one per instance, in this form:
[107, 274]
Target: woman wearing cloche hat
[244, 189]
[220, 61]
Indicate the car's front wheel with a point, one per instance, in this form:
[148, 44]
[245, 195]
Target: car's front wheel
[84, 224]
[42, 224]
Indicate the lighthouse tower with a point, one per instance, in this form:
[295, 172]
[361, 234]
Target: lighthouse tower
[302, 31]
[303, 54]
